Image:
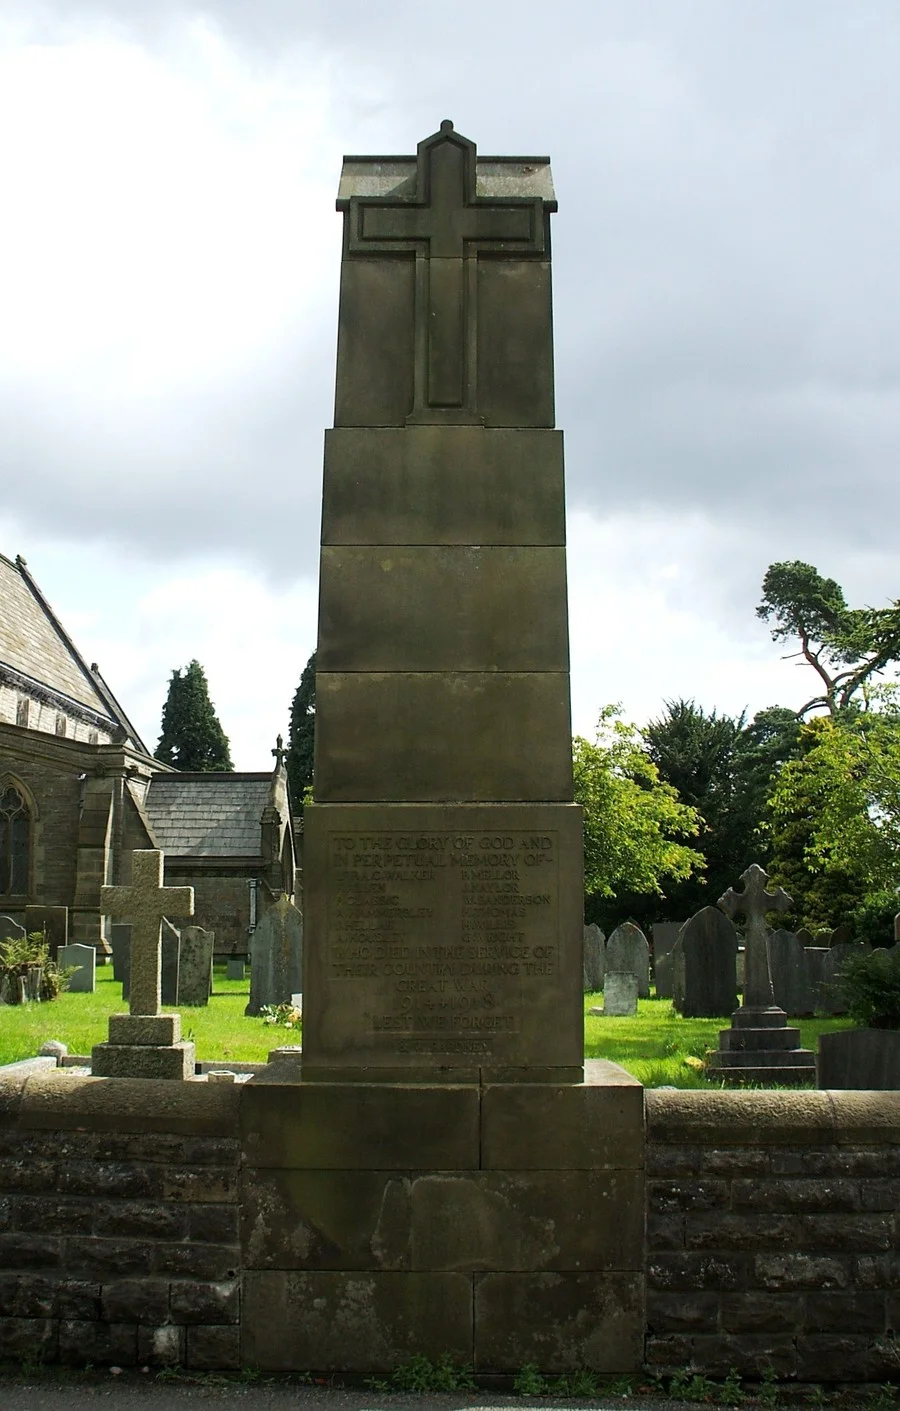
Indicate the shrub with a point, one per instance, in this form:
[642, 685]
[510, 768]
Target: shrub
[871, 983]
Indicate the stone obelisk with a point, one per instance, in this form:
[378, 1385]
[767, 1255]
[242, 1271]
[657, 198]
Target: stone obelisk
[443, 852]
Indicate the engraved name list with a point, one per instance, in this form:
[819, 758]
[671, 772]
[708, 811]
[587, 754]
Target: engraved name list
[451, 933]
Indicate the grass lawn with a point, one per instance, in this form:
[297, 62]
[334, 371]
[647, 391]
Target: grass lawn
[653, 1046]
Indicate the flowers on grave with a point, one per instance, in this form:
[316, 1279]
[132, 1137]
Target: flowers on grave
[286, 1016]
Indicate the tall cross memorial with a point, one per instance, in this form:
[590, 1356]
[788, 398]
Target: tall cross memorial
[443, 854]
[145, 1043]
[760, 1046]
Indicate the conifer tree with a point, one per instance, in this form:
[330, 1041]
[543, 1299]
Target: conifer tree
[302, 735]
[192, 738]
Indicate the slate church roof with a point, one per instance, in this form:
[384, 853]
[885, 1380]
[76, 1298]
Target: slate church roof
[38, 657]
[208, 815]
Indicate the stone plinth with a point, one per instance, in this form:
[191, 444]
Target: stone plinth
[144, 1046]
[386, 1220]
[760, 1047]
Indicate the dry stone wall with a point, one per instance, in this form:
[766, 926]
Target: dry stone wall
[773, 1234]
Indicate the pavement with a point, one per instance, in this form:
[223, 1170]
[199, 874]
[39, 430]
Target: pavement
[131, 1391]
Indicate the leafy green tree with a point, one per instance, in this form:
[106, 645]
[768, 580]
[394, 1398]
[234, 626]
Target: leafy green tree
[846, 647]
[835, 813]
[722, 767]
[302, 735]
[192, 738]
[633, 821]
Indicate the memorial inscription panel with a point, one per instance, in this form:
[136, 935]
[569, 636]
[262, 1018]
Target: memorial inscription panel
[445, 945]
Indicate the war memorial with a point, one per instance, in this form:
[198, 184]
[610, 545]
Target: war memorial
[439, 1172]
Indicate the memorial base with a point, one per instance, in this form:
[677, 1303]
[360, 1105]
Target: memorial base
[144, 1046]
[761, 1047]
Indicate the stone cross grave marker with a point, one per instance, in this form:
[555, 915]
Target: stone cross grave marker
[144, 904]
[754, 902]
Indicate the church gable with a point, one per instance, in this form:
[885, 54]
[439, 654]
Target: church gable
[45, 684]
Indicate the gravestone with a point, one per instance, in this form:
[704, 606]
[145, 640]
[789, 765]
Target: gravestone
[170, 962]
[620, 993]
[806, 937]
[628, 949]
[834, 999]
[120, 940]
[594, 958]
[195, 965]
[276, 956]
[704, 966]
[897, 927]
[841, 935]
[53, 924]
[815, 965]
[145, 1043]
[789, 967]
[82, 960]
[759, 1046]
[442, 866]
[665, 934]
[10, 930]
[235, 967]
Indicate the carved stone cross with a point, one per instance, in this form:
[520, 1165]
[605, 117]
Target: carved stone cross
[445, 225]
[754, 902]
[144, 904]
[279, 751]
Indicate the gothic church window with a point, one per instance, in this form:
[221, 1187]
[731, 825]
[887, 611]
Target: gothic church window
[15, 837]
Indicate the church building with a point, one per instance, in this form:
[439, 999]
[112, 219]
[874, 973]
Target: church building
[79, 789]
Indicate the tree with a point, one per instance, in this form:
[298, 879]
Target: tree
[836, 822]
[192, 738]
[633, 821]
[722, 767]
[846, 647]
[302, 735]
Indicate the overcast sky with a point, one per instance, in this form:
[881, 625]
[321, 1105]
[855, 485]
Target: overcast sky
[727, 312]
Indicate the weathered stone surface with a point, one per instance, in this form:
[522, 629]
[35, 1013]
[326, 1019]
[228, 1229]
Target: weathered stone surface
[276, 956]
[82, 960]
[442, 1221]
[559, 1322]
[627, 949]
[195, 963]
[664, 935]
[52, 922]
[143, 1061]
[491, 736]
[120, 940]
[154, 1029]
[620, 993]
[354, 1322]
[594, 963]
[235, 967]
[834, 1000]
[704, 980]
[591, 1125]
[755, 902]
[789, 968]
[343, 1126]
[472, 486]
[859, 1058]
[361, 587]
[485, 905]
[170, 962]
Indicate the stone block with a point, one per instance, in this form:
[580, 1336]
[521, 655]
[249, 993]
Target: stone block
[161, 1346]
[173, 1061]
[467, 735]
[353, 1322]
[145, 1030]
[515, 343]
[489, 586]
[135, 1301]
[472, 486]
[476, 960]
[375, 342]
[336, 1126]
[213, 1348]
[195, 1302]
[620, 994]
[560, 1322]
[188, 1119]
[443, 1221]
[595, 1125]
[859, 1058]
